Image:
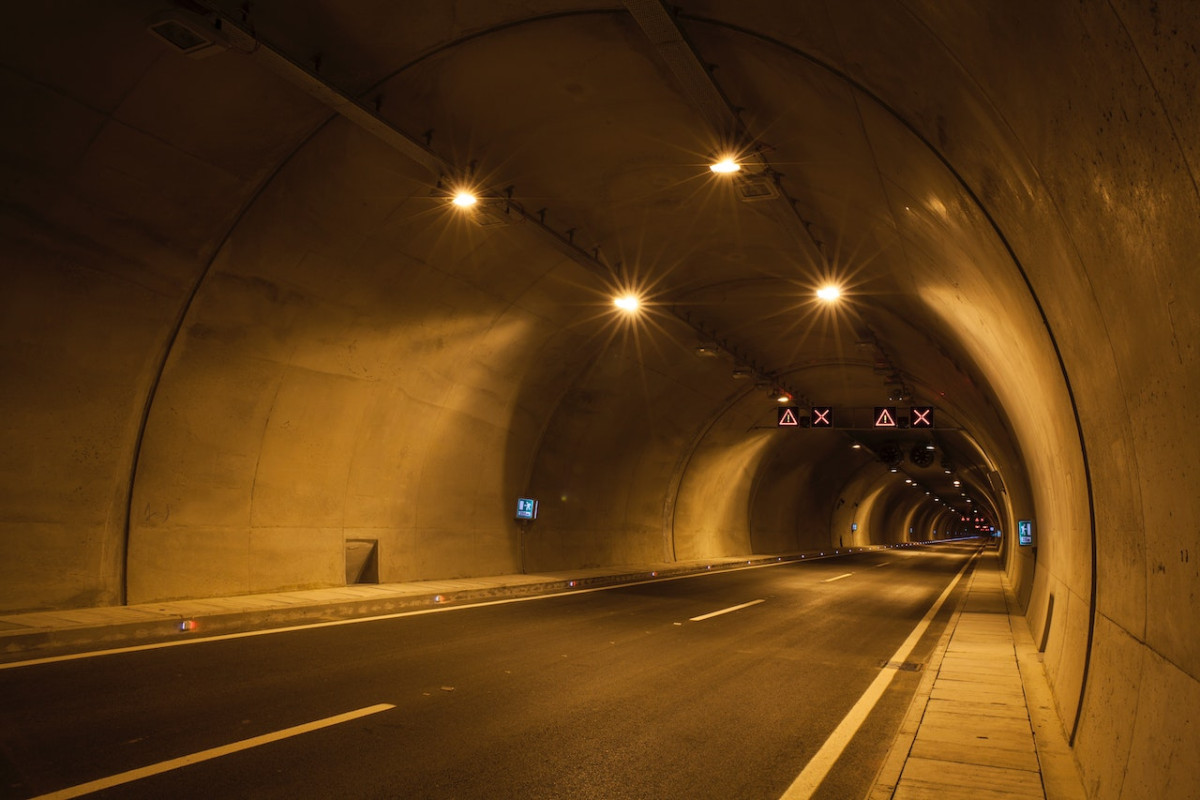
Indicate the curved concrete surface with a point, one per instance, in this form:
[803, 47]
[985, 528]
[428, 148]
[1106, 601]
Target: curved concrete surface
[242, 325]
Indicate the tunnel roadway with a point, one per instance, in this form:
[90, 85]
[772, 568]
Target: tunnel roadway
[722, 685]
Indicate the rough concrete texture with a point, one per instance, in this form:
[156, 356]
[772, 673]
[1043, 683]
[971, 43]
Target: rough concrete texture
[238, 329]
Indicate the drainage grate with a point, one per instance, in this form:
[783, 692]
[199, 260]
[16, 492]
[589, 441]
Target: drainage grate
[903, 666]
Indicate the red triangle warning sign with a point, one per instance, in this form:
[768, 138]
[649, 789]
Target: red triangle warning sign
[885, 417]
[787, 417]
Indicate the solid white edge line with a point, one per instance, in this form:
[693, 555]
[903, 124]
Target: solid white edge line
[33, 662]
[838, 578]
[818, 767]
[206, 755]
[712, 614]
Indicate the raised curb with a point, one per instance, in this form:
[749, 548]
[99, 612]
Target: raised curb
[35, 642]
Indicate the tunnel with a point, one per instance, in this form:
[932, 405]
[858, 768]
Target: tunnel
[289, 283]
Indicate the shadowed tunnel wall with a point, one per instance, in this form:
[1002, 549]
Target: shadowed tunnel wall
[237, 331]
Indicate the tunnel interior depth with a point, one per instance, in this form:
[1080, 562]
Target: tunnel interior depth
[247, 330]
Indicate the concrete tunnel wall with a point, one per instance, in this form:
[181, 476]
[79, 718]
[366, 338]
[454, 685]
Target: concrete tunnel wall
[329, 356]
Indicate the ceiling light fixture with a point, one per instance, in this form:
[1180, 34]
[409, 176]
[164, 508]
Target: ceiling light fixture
[829, 293]
[464, 199]
[628, 303]
[725, 166]
[191, 34]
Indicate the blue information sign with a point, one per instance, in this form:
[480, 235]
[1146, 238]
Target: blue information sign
[527, 508]
[1025, 531]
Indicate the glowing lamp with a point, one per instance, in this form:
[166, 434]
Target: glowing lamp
[628, 302]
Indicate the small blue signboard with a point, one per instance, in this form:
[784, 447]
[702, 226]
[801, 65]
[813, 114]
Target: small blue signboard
[527, 508]
[1025, 531]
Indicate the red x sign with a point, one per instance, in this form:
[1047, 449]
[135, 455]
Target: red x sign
[921, 417]
[822, 416]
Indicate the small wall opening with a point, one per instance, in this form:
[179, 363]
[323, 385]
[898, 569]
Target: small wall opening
[362, 561]
[1046, 625]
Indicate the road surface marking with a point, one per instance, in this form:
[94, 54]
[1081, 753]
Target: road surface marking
[838, 578]
[205, 755]
[712, 614]
[884, 564]
[818, 767]
[137, 648]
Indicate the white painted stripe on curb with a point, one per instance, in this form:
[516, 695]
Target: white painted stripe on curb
[818, 767]
[712, 614]
[206, 755]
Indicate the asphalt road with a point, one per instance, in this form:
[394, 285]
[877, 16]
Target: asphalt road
[617, 693]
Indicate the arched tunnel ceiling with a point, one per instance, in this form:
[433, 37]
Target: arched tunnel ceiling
[243, 325]
[575, 113]
[599, 126]
[290, 236]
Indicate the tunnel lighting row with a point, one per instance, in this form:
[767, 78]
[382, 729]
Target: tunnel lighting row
[466, 199]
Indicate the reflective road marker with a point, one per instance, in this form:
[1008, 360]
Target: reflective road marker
[818, 767]
[726, 610]
[205, 755]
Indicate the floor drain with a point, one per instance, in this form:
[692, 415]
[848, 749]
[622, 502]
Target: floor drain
[903, 666]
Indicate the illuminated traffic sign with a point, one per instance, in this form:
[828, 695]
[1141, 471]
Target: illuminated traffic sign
[885, 417]
[921, 417]
[1025, 531]
[822, 416]
[787, 417]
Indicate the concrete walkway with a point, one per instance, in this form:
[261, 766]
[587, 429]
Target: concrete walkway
[982, 725]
